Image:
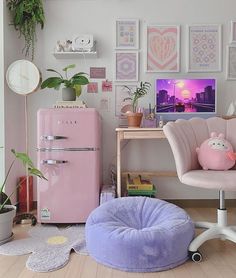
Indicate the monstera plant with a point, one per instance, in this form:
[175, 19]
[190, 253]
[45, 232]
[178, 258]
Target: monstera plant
[26, 15]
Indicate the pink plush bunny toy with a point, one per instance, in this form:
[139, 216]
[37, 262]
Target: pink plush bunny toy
[216, 153]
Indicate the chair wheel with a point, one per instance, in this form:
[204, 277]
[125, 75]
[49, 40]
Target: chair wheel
[195, 256]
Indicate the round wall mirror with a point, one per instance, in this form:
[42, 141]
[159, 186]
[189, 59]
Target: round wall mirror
[23, 77]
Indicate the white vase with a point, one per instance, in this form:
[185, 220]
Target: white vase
[6, 223]
[68, 94]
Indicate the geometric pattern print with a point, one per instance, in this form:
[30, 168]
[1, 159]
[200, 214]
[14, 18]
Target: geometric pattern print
[162, 48]
[126, 66]
[204, 48]
[232, 62]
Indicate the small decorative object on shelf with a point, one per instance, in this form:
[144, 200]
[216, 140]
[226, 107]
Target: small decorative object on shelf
[81, 46]
[63, 46]
[161, 122]
[83, 43]
[72, 86]
[149, 119]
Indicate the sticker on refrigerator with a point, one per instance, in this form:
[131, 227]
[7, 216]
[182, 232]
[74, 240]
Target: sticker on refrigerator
[45, 214]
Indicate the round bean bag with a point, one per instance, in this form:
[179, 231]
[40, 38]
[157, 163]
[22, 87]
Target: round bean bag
[139, 234]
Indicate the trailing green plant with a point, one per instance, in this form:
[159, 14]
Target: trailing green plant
[74, 82]
[24, 158]
[26, 15]
[139, 92]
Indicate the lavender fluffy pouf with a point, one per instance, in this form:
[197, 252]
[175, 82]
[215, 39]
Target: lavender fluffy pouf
[139, 234]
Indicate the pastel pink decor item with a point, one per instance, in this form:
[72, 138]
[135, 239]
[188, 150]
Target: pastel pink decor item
[216, 153]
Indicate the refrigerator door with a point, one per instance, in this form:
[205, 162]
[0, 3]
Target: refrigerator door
[72, 189]
[68, 128]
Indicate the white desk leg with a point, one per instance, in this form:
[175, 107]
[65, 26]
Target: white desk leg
[118, 142]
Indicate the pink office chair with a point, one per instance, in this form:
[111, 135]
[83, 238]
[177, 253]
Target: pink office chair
[184, 137]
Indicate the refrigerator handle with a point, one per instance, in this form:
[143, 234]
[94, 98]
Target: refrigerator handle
[52, 137]
[53, 162]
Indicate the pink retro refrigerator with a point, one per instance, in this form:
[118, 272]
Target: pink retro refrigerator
[69, 156]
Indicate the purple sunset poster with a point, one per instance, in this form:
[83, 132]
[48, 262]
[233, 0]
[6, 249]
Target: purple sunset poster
[185, 95]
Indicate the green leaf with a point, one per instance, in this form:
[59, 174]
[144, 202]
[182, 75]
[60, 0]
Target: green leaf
[79, 80]
[23, 157]
[52, 82]
[78, 90]
[36, 172]
[69, 67]
[79, 74]
[52, 70]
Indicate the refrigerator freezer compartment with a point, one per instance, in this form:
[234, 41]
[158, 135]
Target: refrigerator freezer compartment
[68, 128]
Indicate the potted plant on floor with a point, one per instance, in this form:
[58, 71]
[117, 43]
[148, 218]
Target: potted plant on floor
[8, 211]
[72, 86]
[135, 117]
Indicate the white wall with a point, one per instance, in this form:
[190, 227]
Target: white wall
[13, 104]
[2, 157]
[66, 18]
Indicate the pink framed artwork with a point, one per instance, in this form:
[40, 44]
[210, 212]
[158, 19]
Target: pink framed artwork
[92, 87]
[204, 48]
[231, 62]
[127, 34]
[126, 66]
[98, 72]
[233, 32]
[107, 86]
[163, 48]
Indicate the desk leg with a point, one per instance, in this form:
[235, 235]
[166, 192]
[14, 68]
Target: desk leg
[118, 153]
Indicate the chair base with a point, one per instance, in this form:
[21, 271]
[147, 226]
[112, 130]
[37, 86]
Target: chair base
[214, 230]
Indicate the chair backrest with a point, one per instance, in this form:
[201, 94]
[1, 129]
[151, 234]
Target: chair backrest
[185, 136]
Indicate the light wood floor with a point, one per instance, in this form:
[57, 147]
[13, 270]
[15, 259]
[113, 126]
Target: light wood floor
[219, 259]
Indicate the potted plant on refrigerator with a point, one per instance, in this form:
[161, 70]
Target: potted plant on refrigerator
[135, 117]
[72, 86]
[8, 211]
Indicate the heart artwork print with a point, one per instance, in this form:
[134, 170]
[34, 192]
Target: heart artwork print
[163, 48]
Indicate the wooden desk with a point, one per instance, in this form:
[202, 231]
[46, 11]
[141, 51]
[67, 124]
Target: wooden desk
[137, 133]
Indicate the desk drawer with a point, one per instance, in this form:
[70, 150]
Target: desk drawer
[143, 134]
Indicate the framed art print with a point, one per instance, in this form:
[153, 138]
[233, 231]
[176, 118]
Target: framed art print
[204, 48]
[233, 32]
[126, 66]
[127, 34]
[163, 48]
[123, 99]
[231, 62]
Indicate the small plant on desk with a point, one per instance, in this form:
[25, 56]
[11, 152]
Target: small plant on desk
[135, 117]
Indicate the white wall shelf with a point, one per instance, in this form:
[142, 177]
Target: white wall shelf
[74, 55]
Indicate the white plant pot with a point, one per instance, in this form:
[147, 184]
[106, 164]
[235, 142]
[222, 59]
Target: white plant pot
[68, 94]
[6, 223]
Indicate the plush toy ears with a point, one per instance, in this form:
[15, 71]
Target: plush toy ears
[213, 135]
[221, 136]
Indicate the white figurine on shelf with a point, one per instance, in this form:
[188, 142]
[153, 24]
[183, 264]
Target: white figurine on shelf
[64, 46]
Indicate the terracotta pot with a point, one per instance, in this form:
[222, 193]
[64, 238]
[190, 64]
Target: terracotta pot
[134, 119]
[6, 222]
